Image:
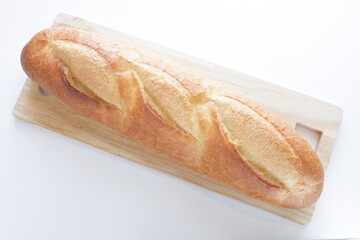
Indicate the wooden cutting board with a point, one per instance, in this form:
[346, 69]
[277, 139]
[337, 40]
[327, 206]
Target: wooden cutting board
[294, 107]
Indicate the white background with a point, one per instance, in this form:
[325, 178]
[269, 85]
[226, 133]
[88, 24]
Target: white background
[53, 187]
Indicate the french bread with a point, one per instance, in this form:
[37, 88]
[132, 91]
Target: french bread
[152, 100]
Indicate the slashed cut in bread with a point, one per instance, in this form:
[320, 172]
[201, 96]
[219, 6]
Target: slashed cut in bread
[152, 100]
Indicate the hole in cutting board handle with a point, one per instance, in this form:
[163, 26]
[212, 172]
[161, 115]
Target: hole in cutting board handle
[311, 135]
[44, 92]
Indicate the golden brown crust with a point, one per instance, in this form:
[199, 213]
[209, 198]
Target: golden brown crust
[147, 98]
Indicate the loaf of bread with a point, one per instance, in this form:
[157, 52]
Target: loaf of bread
[145, 97]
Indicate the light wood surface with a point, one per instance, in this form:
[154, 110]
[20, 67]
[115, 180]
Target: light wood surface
[294, 107]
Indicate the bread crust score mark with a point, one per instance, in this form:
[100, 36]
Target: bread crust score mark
[152, 100]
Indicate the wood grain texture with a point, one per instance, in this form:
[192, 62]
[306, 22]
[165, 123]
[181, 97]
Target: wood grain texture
[55, 115]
